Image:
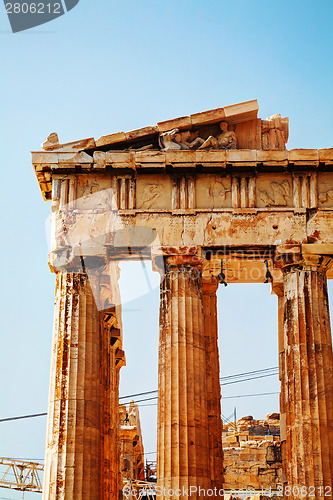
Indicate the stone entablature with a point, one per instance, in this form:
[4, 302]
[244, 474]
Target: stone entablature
[135, 164]
[207, 199]
[237, 183]
[256, 206]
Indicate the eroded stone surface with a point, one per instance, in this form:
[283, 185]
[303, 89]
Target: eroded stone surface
[258, 213]
[132, 463]
[183, 451]
[82, 427]
[252, 454]
[308, 391]
[213, 388]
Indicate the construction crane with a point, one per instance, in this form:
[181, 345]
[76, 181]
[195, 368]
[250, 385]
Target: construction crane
[20, 475]
[26, 476]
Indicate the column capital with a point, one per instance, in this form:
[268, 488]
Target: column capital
[70, 259]
[301, 257]
[171, 258]
[184, 260]
[190, 265]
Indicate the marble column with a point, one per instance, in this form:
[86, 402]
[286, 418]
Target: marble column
[81, 459]
[277, 289]
[183, 441]
[209, 289]
[308, 387]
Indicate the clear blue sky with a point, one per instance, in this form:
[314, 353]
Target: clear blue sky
[108, 66]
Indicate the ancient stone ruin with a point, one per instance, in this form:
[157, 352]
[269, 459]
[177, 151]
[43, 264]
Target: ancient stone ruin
[252, 454]
[132, 464]
[210, 198]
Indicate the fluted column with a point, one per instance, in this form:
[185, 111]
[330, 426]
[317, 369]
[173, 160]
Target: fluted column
[183, 443]
[81, 459]
[277, 289]
[209, 289]
[308, 387]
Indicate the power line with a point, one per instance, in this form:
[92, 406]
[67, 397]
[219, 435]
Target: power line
[250, 395]
[247, 379]
[23, 416]
[221, 378]
[140, 400]
[229, 397]
[9, 419]
[147, 399]
[233, 397]
[138, 394]
[154, 452]
[264, 375]
[223, 383]
[250, 373]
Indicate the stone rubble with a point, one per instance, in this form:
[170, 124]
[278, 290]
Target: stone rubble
[252, 453]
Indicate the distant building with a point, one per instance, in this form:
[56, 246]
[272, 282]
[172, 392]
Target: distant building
[131, 444]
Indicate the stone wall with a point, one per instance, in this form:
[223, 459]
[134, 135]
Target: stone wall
[252, 453]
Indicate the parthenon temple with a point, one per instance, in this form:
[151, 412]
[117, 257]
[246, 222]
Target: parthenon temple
[209, 198]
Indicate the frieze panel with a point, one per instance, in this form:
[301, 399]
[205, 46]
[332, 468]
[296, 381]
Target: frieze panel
[92, 192]
[274, 191]
[98, 192]
[325, 190]
[153, 192]
[213, 191]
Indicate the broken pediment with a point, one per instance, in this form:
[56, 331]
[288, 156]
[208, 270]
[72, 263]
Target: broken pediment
[232, 127]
